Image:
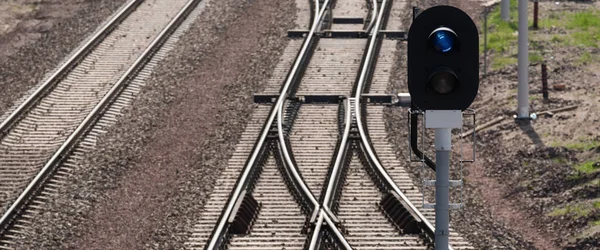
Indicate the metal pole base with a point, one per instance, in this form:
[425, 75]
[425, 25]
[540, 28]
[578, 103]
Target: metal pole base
[532, 116]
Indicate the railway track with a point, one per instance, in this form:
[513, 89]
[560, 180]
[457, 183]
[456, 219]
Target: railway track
[45, 137]
[314, 169]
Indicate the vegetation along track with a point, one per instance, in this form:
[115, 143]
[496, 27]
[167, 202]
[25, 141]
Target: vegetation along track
[43, 138]
[314, 170]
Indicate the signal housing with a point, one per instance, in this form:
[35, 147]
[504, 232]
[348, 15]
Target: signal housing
[460, 61]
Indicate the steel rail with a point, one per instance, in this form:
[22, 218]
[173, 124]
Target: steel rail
[293, 169]
[365, 138]
[66, 67]
[260, 142]
[93, 116]
[373, 16]
[290, 164]
[334, 178]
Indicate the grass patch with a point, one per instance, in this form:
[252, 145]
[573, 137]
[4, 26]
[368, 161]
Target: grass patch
[580, 29]
[560, 160]
[501, 34]
[587, 58]
[535, 57]
[558, 39]
[503, 61]
[584, 20]
[579, 210]
[589, 167]
[583, 28]
[585, 39]
[583, 144]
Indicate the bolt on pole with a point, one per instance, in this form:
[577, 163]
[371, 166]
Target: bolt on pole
[505, 10]
[523, 92]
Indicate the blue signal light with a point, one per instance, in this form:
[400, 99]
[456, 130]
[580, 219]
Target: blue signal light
[443, 39]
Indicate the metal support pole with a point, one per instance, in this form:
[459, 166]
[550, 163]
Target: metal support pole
[545, 82]
[443, 147]
[523, 93]
[535, 14]
[505, 10]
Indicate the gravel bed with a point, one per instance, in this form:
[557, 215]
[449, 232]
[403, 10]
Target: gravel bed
[47, 45]
[146, 184]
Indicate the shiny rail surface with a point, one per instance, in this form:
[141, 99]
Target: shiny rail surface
[61, 121]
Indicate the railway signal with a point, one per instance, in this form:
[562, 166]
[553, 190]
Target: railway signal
[443, 59]
[443, 80]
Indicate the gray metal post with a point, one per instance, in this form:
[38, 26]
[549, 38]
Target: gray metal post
[505, 10]
[523, 93]
[443, 146]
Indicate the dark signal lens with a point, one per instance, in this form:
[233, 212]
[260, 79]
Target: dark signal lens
[443, 81]
[443, 40]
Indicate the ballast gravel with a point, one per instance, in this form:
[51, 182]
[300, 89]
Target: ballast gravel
[43, 39]
[145, 186]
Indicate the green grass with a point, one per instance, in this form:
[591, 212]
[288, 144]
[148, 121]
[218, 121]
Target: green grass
[558, 39]
[559, 160]
[501, 34]
[585, 39]
[582, 144]
[582, 29]
[502, 61]
[535, 57]
[584, 20]
[534, 97]
[587, 58]
[588, 167]
[578, 210]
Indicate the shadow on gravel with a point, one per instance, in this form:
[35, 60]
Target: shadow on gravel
[526, 127]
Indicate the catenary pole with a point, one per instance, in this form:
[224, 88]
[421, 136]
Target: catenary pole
[523, 92]
[505, 10]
